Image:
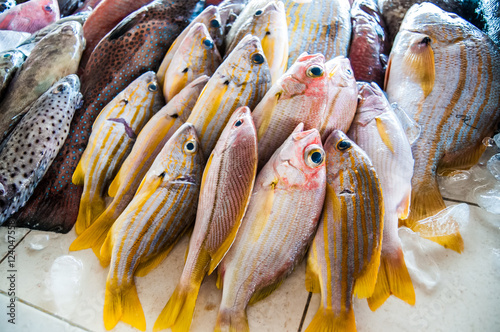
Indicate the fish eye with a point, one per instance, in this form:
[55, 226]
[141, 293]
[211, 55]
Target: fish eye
[348, 72]
[315, 71]
[257, 58]
[258, 12]
[215, 23]
[208, 43]
[7, 55]
[59, 88]
[152, 86]
[190, 147]
[48, 8]
[426, 41]
[238, 123]
[314, 156]
[343, 145]
[6, 69]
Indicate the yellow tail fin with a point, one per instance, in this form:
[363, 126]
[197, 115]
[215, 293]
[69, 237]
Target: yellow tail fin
[365, 282]
[232, 321]
[123, 305]
[325, 320]
[78, 177]
[393, 278]
[115, 184]
[89, 210]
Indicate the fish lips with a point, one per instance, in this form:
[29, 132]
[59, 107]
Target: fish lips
[187, 179]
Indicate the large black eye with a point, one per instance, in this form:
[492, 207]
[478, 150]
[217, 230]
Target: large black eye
[59, 88]
[315, 71]
[314, 156]
[215, 23]
[343, 145]
[208, 44]
[257, 58]
[258, 12]
[238, 123]
[48, 8]
[152, 86]
[190, 147]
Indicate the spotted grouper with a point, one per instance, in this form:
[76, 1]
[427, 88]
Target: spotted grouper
[135, 46]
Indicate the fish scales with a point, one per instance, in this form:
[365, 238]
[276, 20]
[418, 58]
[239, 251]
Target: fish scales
[30, 16]
[10, 62]
[54, 204]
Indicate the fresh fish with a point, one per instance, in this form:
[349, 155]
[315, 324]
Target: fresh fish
[369, 48]
[211, 19]
[10, 62]
[30, 16]
[144, 234]
[377, 130]
[88, 5]
[442, 71]
[268, 23]
[345, 255]
[277, 228]
[342, 97]
[54, 57]
[197, 55]
[224, 195]
[299, 96]
[6, 5]
[33, 145]
[229, 11]
[113, 134]
[241, 80]
[148, 144]
[318, 26]
[54, 204]
[10, 39]
[67, 7]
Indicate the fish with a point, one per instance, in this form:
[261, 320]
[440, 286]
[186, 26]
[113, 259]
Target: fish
[54, 204]
[10, 39]
[6, 5]
[196, 55]
[114, 132]
[377, 130]
[328, 33]
[10, 62]
[299, 96]
[342, 97]
[441, 72]
[163, 207]
[229, 11]
[226, 186]
[277, 228]
[241, 80]
[67, 7]
[148, 144]
[268, 23]
[30, 16]
[54, 57]
[344, 257]
[88, 5]
[33, 145]
[211, 19]
[369, 50]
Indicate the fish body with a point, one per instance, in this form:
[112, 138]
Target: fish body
[377, 130]
[241, 80]
[344, 257]
[144, 234]
[34, 143]
[147, 146]
[54, 57]
[197, 55]
[10, 62]
[67, 7]
[54, 204]
[299, 96]
[30, 16]
[113, 134]
[225, 192]
[277, 228]
[442, 72]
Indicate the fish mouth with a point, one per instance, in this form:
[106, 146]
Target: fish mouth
[184, 179]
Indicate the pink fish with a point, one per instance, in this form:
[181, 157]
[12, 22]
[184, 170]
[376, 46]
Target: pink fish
[30, 16]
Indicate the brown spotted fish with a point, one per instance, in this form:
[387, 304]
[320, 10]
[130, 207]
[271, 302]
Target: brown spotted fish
[34, 143]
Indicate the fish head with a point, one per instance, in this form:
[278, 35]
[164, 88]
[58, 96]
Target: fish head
[145, 87]
[340, 73]
[69, 36]
[50, 10]
[9, 60]
[184, 98]
[239, 130]
[307, 76]
[211, 18]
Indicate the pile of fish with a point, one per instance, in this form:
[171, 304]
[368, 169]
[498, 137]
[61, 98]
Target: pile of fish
[259, 125]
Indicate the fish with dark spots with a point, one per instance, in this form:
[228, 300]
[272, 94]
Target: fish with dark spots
[143, 38]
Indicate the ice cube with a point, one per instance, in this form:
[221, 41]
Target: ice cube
[39, 241]
[496, 138]
[494, 166]
[64, 283]
[488, 197]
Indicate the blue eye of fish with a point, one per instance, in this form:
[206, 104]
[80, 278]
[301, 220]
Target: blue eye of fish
[152, 87]
[315, 71]
[314, 156]
[343, 145]
[349, 72]
[238, 123]
[7, 55]
[48, 8]
[257, 58]
[214, 23]
[208, 44]
[258, 12]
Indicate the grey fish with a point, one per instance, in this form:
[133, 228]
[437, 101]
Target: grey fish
[35, 142]
[10, 62]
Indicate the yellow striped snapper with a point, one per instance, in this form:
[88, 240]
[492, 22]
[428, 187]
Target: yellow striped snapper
[148, 144]
[318, 26]
[277, 228]
[241, 80]
[224, 195]
[211, 18]
[163, 207]
[377, 130]
[443, 71]
[345, 255]
[299, 96]
[113, 134]
[197, 55]
[342, 97]
[268, 22]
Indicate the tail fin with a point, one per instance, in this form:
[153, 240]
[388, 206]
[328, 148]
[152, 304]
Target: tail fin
[393, 278]
[123, 305]
[89, 210]
[325, 320]
[232, 321]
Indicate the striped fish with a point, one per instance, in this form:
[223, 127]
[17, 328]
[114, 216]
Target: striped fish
[345, 255]
[148, 144]
[377, 130]
[211, 18]
[444, 72]
[224, 195]
[342, 97]
[144, 234]
[299, 96]
[318, 26]
[278, 226]
[113, 134]
[241, 80]
[197, 55]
